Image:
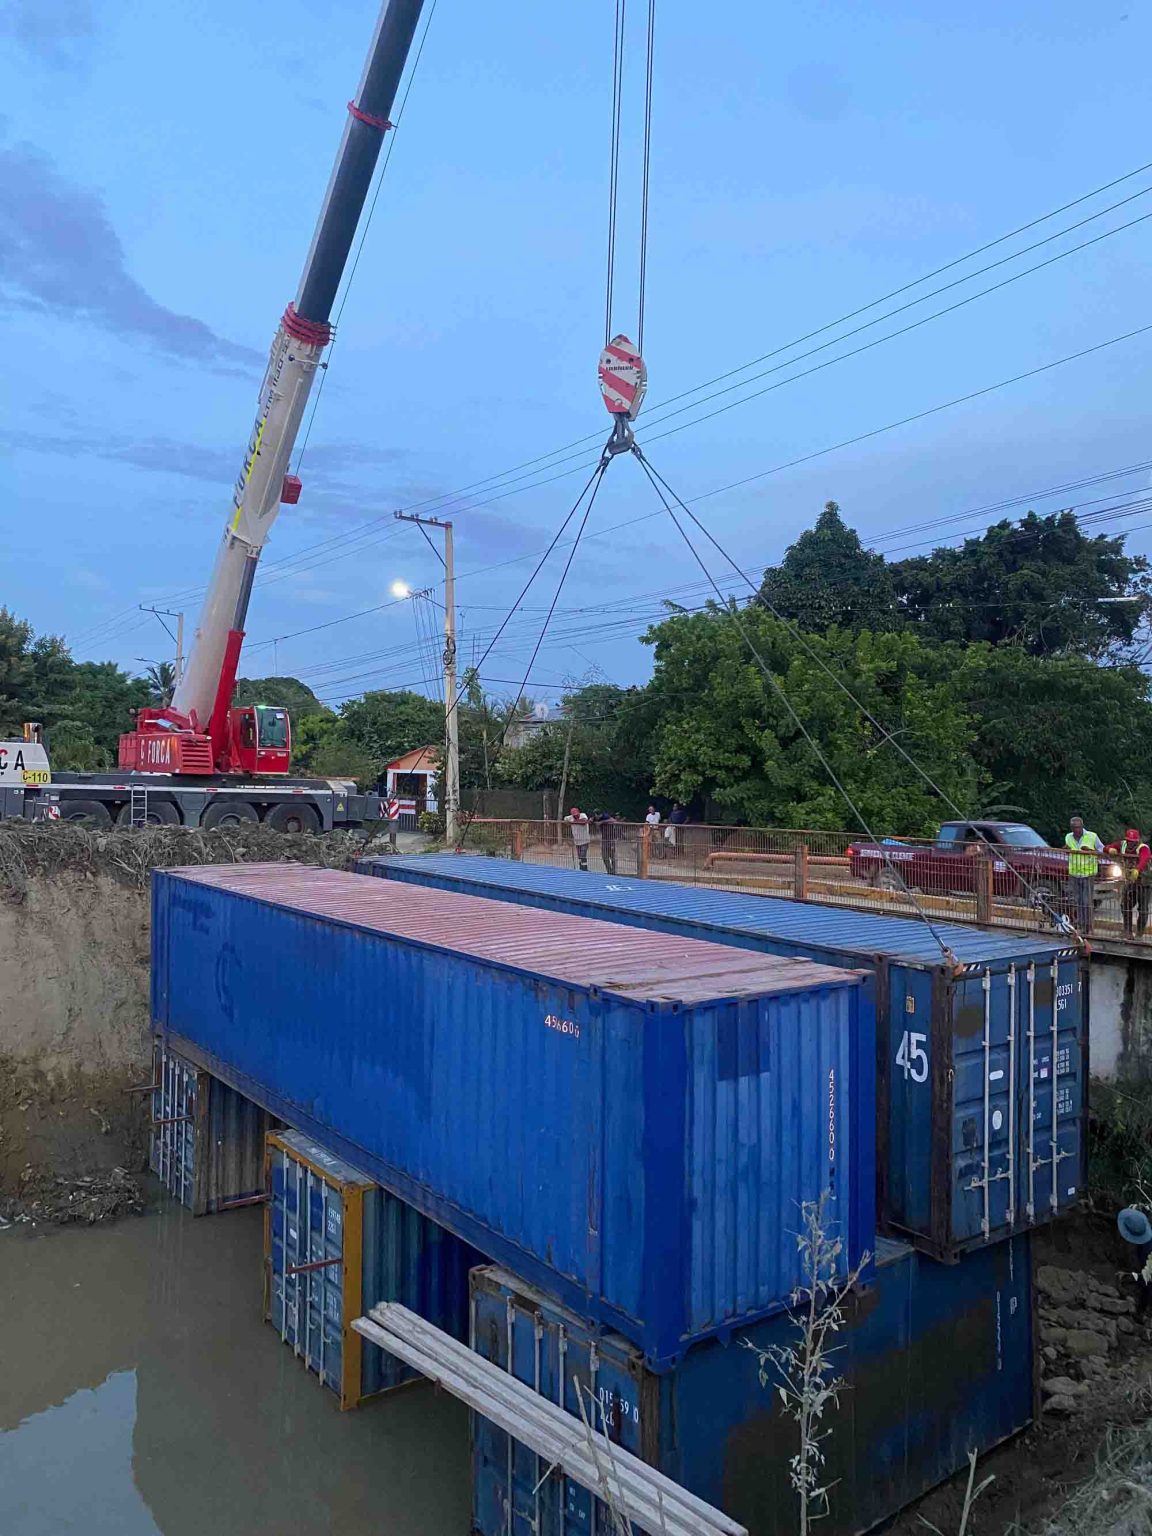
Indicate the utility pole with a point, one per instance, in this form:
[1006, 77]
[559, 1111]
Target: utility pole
[451, 791]
[177, 638]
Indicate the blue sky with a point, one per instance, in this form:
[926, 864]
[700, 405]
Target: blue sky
[161, 167]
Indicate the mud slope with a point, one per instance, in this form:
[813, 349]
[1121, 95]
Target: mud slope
[74, 1026]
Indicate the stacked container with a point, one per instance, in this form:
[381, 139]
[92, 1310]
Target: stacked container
[207, 1141]
[628, 1120]
[336, 1244]
[935, 1360]
[982, 1065]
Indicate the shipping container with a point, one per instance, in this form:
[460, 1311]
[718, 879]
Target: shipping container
[936, 1361]
[335, 1244]
[982, 1061]
[207, 1142]
[630, 1120]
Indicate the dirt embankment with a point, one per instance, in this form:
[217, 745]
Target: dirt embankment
[74, 1018]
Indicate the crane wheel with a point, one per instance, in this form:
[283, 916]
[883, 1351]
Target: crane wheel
[91, 811]
[298, 817]
[228, 813]
[160, 813]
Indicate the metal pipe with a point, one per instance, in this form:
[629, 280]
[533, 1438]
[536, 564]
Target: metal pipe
[1053, 1196]
[231, 1205]
[1012, 1089]
[172, 1120]
[986, 1225]
[303, 1269]
[1031, 1207]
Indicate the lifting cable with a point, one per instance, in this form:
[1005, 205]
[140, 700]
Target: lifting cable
[1038, 897]
[658, 487]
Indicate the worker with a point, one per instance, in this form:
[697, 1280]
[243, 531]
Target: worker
[1136, 1230]
[652, 822]
[1134, 855]
[1084, 850]
[577, 820]
[676, 819]
[609, 833]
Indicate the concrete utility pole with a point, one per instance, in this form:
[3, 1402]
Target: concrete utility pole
[451, 787]
[177, 638]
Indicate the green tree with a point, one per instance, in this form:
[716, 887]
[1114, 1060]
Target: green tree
[284, 692]
[606, 733]
[161, 680]
[1041, 584]
[385, 725]
[827, 578]
[1061, 737]
[724, 733]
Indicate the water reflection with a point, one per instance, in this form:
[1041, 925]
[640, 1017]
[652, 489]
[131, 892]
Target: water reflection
[140, 1392]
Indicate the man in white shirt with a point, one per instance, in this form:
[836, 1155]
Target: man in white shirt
[577, 820]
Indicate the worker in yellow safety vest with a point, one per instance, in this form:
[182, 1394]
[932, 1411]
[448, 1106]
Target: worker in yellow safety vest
[1084, 850]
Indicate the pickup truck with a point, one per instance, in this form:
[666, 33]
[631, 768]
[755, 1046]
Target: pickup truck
[1024, 867]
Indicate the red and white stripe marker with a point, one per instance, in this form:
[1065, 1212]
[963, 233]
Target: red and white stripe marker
[623, 378]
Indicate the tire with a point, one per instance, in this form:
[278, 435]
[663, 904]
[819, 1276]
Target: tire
[293, 816]
[161, 813]
[228, 813]
[91, 811]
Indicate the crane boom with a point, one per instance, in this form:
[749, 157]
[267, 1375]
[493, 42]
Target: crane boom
[194, 735]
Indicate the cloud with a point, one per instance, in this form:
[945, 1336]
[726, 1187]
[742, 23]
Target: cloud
[60, 255]
[56, 32]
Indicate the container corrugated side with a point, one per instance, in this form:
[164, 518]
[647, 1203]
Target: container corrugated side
[335, 1245]
[628, 1120]
[937, 1361]
[207, 1141]
[957, 1168]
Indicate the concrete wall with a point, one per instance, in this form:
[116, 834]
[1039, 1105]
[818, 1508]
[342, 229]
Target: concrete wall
[1120, 1003]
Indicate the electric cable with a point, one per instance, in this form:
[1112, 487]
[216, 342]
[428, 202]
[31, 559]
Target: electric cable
[647, 158]
[886, 734]
[780, 693]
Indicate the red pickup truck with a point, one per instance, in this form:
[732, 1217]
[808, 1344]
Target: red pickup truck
[1023, 865]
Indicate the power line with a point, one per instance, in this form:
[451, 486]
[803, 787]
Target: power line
[777, 688]
[776, 468]
[540, 460]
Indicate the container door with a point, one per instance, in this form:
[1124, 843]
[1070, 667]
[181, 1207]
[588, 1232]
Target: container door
[306, 1303]
[514, 1494]
[984, 1131]
[172, 1152]
[908, 1069]
[1054, 1087]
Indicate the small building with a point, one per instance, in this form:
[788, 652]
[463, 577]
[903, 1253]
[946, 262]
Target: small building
[414, 780]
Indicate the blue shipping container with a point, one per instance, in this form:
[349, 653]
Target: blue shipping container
[336, 1244]
[937, 1361]
[207, 1142]
[629, 1120]
[982, 1072]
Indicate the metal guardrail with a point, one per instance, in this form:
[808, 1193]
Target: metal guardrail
[1026, 889]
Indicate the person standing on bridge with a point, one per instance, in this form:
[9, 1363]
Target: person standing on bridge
[1135, 855]
[1084, 850]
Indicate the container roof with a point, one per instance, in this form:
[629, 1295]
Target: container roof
[802, 922]
[579, 951]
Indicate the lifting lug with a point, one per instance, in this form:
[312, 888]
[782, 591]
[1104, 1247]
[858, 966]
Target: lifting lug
[622, 439]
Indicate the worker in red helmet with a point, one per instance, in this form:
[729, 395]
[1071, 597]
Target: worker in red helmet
[1135, 856]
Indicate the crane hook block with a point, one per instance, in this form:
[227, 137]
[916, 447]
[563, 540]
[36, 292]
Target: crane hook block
[623, 378]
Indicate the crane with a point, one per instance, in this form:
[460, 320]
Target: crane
[200, 733]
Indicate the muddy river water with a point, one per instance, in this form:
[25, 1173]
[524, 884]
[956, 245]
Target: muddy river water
[141, 1393]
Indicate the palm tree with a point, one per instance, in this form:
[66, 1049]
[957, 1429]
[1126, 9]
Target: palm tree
[161, 680]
